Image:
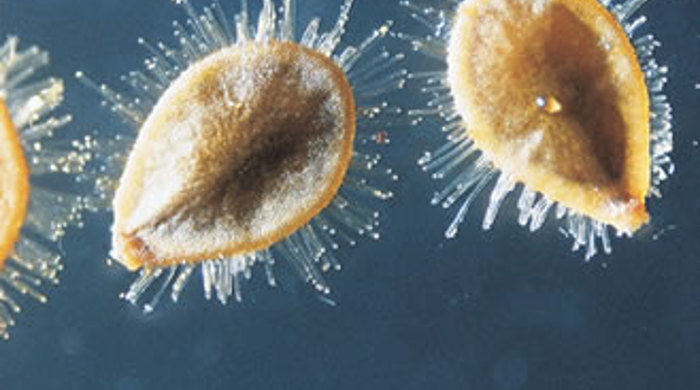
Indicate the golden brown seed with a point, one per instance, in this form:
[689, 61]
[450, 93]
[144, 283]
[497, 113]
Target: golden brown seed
[555, 97]
[243, 149]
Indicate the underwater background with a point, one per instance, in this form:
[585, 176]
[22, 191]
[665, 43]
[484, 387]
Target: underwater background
[503, 309]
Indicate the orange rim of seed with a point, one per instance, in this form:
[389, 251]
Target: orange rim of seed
[624, 205]
[137, 253]
[14, 196]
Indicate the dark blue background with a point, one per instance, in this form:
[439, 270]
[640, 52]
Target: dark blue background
[489, 310]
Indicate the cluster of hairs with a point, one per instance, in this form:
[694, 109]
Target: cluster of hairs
[467, 172]
[56, 167]
[372, 71]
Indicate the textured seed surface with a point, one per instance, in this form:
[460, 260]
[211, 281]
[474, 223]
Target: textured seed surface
[243, 149]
